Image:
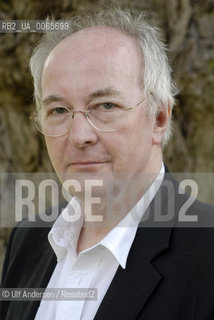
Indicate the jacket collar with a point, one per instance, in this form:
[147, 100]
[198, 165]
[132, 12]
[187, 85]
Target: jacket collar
[131, 288]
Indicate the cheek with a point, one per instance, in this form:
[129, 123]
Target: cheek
[123, 146]
[134, 144]
[56, 149]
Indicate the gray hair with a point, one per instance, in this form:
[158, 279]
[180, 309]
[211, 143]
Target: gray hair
[159, 88]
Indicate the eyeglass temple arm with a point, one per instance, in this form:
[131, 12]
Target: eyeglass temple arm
[130, 108]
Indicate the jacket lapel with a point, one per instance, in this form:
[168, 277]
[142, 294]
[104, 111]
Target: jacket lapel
[131, 288]
[43, 265]
[37, 270]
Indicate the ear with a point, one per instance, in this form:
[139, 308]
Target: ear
[161, 124]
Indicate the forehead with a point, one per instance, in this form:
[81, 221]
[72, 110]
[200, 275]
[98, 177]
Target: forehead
[92, 55]
[102, 40]
[98, 37]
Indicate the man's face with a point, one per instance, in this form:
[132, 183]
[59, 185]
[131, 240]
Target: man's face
[100, 64]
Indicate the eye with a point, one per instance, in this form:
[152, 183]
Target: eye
[58, 110]
[106, 106]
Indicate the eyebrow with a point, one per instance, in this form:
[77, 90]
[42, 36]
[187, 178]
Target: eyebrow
[52, 98]
[106, 92]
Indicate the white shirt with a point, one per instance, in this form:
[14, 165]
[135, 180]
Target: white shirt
[94, 267]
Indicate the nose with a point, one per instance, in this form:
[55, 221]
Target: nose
[81, 134]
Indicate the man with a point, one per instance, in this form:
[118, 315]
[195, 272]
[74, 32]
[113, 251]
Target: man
[104, 98]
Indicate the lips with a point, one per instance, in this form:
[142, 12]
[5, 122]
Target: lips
[89, 166]
[85, 163]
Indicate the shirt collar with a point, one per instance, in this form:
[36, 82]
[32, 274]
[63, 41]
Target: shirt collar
[119, 240]
[66, 229]
[65, 233]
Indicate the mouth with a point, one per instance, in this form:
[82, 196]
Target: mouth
[88, 165]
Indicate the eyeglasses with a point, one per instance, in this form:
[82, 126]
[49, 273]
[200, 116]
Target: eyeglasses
[57, 121]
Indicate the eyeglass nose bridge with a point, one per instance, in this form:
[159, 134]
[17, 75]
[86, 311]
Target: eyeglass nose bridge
[85, 113]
